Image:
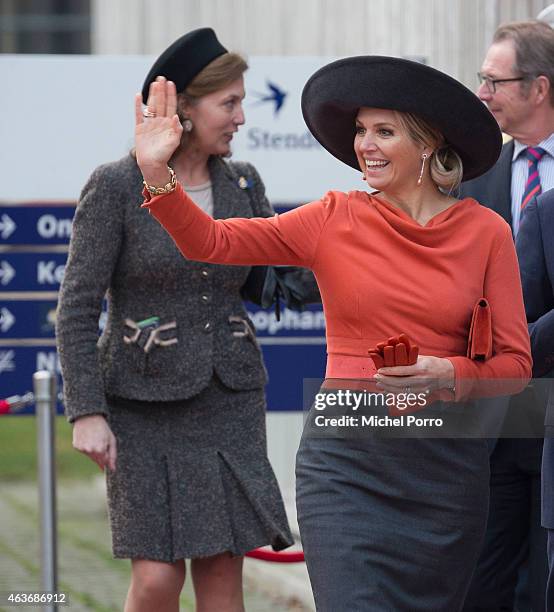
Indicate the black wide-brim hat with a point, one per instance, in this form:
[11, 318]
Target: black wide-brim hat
[333, 95]
[184, 59]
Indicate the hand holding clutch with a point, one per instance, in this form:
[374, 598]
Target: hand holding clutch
[397, 351]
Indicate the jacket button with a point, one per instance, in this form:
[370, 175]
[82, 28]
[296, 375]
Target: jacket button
[208, 327]
[205, 273]
[205, 298]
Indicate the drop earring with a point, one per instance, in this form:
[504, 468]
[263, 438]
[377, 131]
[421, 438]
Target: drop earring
[187, 125]
[420, 178]
[363, 176]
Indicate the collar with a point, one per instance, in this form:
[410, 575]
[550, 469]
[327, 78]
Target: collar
[547, 144]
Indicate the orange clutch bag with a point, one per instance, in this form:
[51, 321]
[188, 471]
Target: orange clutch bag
[479, 344]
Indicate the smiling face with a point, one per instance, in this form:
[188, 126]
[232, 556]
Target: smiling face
[389, 158]
[216, 117]
[509, 105]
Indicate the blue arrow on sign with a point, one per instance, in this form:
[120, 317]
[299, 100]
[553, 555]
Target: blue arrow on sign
[36, 224]
[27, 318]
[32, 271]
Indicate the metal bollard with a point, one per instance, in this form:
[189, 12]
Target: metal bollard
[44, 384]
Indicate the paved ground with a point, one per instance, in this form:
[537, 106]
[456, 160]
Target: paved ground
[92, 579]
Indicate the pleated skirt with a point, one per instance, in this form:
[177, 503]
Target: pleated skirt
[193, 478]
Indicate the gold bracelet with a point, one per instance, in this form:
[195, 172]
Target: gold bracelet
[167, 188]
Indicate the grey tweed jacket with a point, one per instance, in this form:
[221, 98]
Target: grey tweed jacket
[117, 249]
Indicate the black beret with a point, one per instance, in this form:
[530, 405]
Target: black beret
[184, 59]
[333, 95]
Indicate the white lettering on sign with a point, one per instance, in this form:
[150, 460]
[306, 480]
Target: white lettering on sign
[49, 226]
[48, 360]
[290, 320]
[50, 273]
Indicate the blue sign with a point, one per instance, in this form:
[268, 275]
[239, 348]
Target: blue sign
[31, 271]
[288, 366]
[27, 318]
[36, 224]
[293, 347]
[17, 366]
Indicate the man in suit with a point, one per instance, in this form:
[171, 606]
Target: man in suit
[536, 253]
[517, 85]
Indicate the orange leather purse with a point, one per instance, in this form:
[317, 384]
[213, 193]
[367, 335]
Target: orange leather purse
[479, 343]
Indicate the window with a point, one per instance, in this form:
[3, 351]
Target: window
[44, 26]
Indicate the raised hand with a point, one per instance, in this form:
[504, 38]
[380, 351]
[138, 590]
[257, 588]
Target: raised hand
[157, 131]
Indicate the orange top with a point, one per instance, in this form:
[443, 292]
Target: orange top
[380, 273]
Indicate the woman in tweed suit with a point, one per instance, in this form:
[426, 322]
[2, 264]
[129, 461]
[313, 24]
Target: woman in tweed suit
[170, 398]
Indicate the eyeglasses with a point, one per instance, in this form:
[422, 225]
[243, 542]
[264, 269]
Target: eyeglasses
[491, 83]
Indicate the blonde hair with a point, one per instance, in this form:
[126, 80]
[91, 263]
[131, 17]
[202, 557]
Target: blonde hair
[445, 165]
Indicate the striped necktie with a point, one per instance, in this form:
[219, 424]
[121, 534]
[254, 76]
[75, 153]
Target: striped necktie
[533, 184]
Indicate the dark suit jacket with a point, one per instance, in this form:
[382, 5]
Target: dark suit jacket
[536, 248]
[118, 248]
[493, 189]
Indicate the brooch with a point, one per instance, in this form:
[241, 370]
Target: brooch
[244, 183]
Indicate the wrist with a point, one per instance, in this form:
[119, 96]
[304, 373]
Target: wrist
[448, 374]
[160, 180]
[96, 416]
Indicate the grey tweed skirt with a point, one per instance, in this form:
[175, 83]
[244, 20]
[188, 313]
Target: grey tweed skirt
[193, 478]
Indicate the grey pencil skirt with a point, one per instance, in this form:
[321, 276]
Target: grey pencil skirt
[192, 477]
[391, 525]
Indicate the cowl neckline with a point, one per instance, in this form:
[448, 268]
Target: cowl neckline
[400, 219]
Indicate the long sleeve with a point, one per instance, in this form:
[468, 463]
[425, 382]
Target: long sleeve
[288, 239]
[93, 252]
[537, 290]
[511, 351]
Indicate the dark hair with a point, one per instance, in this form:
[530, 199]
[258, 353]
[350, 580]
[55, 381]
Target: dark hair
[219, 73]
[534, 46]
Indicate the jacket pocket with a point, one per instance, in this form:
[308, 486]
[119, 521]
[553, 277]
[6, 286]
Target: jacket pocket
[151, 345]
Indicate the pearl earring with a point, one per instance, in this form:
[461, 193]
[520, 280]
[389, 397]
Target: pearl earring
[187, 125]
